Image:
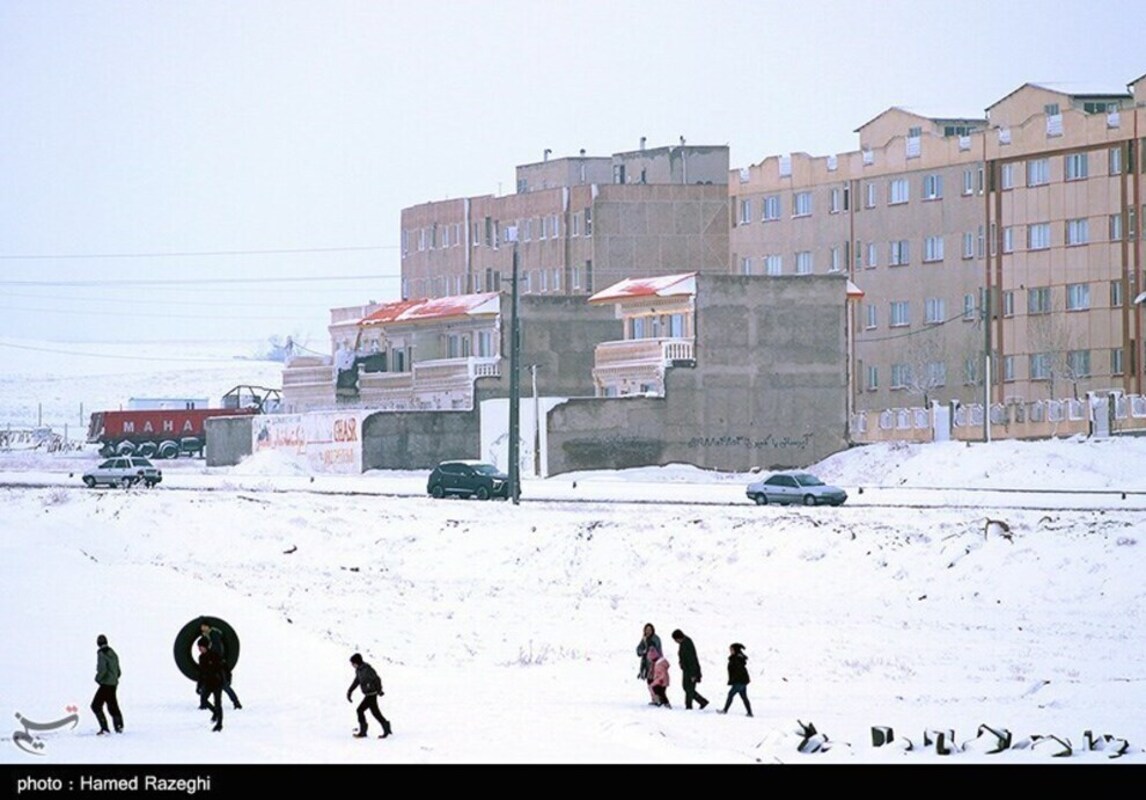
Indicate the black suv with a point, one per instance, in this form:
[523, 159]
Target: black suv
[468, 479]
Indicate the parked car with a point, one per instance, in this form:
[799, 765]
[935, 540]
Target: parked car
[795, 487]
[123, 471]
[468, 479]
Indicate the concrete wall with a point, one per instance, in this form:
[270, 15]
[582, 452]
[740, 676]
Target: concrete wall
[768, 390]
[419, 439]
[229, 440]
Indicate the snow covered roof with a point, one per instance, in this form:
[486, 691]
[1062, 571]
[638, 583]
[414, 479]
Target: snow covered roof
[1069, 89]
[854, 292]
[462, 305]
[660, 286]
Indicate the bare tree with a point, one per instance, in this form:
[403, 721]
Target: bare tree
[925, 356]
[1052, 339]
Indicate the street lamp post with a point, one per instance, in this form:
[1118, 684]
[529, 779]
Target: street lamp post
[514, 380]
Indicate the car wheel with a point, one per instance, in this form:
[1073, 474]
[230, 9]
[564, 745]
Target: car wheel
[90, 482]
[125, 482]
[761, 499]
[438, 491]
[482, 493]
[809, 500]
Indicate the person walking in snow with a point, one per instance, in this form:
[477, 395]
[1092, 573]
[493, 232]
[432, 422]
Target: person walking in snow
[659, 681]
[649, 639]
[738, 678]
[107, 676]
[366, 679]
[212, 676]
[689, 669]
[215, 637]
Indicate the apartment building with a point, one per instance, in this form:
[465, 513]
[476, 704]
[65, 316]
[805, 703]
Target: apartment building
[1028, 214]
[582, 223]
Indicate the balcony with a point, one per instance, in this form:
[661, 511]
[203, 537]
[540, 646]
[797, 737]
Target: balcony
[623, 367]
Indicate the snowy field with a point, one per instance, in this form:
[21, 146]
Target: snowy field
[506, 634]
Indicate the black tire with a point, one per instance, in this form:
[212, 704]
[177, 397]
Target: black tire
[761, 499]
[438, 491]
[482, 493]
[90, 482]
[185, 653]
[809, 500]
[146, 449]
[168, 449]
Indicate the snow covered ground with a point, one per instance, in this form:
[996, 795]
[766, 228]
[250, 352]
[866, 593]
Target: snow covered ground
[506, 634]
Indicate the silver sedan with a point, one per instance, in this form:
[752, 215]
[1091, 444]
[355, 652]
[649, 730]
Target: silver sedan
[795, 487]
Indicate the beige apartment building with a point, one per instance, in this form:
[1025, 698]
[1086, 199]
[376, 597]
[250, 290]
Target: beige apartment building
[582, 223]
[1031, 210]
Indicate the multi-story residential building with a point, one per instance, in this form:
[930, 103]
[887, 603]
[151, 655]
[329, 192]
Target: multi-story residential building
[582, 223]
[1033, 205]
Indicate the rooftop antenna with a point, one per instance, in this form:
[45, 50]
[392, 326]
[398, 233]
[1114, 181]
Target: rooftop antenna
[643, 144]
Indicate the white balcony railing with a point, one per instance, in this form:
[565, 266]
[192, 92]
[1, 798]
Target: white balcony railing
[662, 352]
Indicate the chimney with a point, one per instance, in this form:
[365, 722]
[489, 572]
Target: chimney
[545, 157]
[582, 152]
[642, 144]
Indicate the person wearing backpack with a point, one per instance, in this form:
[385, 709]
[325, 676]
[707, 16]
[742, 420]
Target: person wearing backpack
[366, 679]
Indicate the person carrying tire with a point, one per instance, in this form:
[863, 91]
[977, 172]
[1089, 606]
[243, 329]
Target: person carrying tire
[215, 638]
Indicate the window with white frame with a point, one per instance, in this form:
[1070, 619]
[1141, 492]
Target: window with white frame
[484, 342]
[1008, 303]
[745, 266]
[1077, 296]
[1007, 176]
[1039, 300]
[1008, 369]
[773, 265]
[554, 226]
[871, 316]
[771, 207]
[968, 245]
[969, 308]
[970, 371]
[1038, 172]
[1116, 294]
[745, 210]
[804, 262]
[834, 259]
[575, 225]
[935, 310]
[1078, 362]
[1116, 361]
[869, 200]
[933, 248]
[900, 316]
[588, 222]
[834, 201]
[979, 243]
[968, 181]
[899, 253]
[555, 283]
[1114, 161]
[936, 373]
[1077, 231]
[872, 255]
[1076, 166]
[1115, 227]
[900, 376]
[421, 239]
[932, 187]
[872, 378]
[1008, 239]
[898, 191]
[801, 204]
[1039, 236]
[1040, 365]
[543, 277]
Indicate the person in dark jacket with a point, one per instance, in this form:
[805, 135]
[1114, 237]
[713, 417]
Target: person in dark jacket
[215, 636]
[649, 641]
[366, 679]
[107, 676]
[212, 676]
[689, 669]
[738, 678]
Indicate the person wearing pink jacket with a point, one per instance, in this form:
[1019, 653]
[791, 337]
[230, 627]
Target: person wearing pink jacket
[659, 680]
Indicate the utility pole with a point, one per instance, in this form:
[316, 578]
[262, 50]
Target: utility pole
[986, 304]
[536, 423]
[514, 380]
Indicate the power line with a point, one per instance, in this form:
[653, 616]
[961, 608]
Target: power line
[198, 281]
[196, 253]
[154, 314]
[930, 327]
[164, 359]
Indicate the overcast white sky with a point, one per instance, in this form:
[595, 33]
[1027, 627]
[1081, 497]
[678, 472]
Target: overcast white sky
[151, 154]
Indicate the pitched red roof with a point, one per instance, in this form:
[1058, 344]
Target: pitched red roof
[660, 286]
[435, 308]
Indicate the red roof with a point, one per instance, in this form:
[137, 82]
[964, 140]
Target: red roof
[435, 308]
[660, 286]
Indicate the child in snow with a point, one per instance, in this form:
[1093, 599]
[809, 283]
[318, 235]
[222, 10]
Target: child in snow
[659, 681]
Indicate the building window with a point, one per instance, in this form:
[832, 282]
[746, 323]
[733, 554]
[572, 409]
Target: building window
[871, 319]
[899, 253]
[933, 248]
[970, 371]
[1076, 166]
[872, 255]
[1116, 294]
[773, 265]
[900, 376]
[543, 282]
[898, 192]
[968, 182]
[1115, 227]
[1038, 236]
[834, 260]
[1008, 304]
[1008, 239]
[746, 266]
[968, 245]
[588, 222]
[936, 373]
[1077, 296]
[484, 344]
[1114, 161]
[745, 211]
[405, 242]
[771, 207]
[968, 308]
[802, 204]
[900, 316]
[1007, 176]
[576, 277]
[834, 201]
[1038, 172]
[1116, 361]
[1078, 363]
[932, 187]
[1008, 368]
[1077, 231]
[935, 310]
[1039, 300]
[869, 200]
[872, 378]
[575, 221]
[804, 262]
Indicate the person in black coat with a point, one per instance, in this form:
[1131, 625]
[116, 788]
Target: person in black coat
[689, 668]
[107, 676]
[215, 636]
[738, 678]
[366, 679]
[212, 676]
